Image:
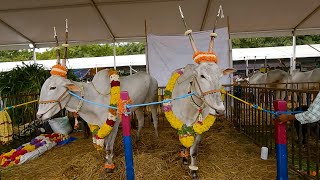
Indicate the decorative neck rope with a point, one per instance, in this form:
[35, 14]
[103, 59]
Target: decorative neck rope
[100, 133]
[186, 133]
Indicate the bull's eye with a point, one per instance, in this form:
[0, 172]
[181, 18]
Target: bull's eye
[52, 88]
[202, 76]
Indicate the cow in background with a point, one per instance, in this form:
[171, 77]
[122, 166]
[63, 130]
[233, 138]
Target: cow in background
[273, 79]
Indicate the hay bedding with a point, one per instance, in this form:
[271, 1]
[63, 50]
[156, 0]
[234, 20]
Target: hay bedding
[224, 154]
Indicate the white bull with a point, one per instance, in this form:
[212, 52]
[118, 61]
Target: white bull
[273, 79]
[301, 80]
[142, 88]
[198, 78]
[302, 77]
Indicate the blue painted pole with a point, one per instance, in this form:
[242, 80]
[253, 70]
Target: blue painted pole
[127, 141]
[281, 143]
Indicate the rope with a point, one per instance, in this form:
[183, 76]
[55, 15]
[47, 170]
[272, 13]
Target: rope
[91, 102]
[133, 105]
[14, 106]
[255, 106]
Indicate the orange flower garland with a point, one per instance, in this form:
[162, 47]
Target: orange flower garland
[199, 57]
[59, 70]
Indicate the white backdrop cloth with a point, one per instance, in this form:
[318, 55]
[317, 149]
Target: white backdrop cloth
[167, 53]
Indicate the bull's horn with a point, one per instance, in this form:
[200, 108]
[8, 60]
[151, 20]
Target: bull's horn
[211, 44]
[188, 32]
[57, 45]
[193, 44]
[65, 45]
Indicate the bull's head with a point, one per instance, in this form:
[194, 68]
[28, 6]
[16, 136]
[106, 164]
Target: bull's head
[54, 96]
[207, 76]
[54, 92]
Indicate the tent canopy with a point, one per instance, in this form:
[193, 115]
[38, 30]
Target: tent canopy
[97, 21]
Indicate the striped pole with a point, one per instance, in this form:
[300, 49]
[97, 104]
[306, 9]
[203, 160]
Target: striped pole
[281, 143]
[127, 141]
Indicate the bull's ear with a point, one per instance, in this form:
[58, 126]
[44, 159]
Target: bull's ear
[73, 87]
[228, 71]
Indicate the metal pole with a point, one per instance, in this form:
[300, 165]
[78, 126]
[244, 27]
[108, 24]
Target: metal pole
[247, 64]
[281, 143]
[114, 54]
[293, 59]
[34, 54]
[146, 46]
[130, 69]
[127, 141]
[230, 50]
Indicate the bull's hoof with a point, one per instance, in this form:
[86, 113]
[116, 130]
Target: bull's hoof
[185, 161]
[109, 168]
[194, 174]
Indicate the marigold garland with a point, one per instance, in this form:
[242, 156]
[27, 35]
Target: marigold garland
[59, 70]
[199, 57]
[186, 133]
[100, 133]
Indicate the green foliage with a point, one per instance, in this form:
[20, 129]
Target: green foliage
[15, 55]
[98, 50]
[23, 79]
[92, 50]
[274, 41]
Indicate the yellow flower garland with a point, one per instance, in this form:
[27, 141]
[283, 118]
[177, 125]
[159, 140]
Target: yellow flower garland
[186, 134]
[100, 133]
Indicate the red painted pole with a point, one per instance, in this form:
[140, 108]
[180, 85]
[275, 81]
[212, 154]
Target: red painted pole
[127, 141]
[281, 142]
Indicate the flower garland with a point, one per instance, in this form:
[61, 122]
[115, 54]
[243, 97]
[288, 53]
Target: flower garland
[186, 133]
[199, 57]
[14, 156]
[59, 70]
[100, 133]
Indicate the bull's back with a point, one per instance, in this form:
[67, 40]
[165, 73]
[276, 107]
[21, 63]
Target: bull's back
[138, 86]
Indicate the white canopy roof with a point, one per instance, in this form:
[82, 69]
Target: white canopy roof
[29, 21]
[302, 51]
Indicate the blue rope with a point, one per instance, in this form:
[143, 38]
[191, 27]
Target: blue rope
[161, 102]
[91, 102]
[132, 105]
[177, 98]
[276, 113]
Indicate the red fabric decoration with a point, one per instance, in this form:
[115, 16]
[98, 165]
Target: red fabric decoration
[115, 83]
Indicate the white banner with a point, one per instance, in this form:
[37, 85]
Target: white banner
[167, 53]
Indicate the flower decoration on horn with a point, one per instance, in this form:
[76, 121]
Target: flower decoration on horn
[200, 56]
[60, 69]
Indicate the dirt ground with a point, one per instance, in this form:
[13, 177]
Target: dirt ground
[224, 153]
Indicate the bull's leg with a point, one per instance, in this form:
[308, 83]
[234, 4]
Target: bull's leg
[184, 154]
[155, 119]
[109, 165]
[194, 152]
[140, 117]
